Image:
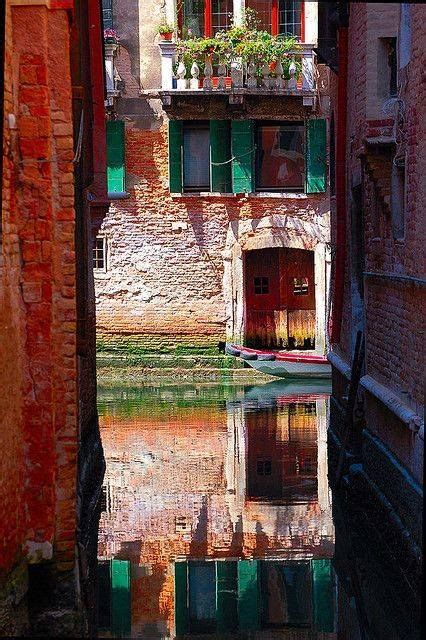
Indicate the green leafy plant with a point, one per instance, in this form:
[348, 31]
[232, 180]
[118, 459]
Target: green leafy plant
[165, 28]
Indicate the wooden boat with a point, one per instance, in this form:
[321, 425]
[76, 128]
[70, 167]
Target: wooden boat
[283, 364]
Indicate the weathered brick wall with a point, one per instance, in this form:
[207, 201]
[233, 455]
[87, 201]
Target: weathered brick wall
[165, 254]
[38, 370]
[167, 282]
[394, 309]
[11, 352]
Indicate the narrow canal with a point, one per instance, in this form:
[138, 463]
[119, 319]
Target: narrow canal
[217, 515]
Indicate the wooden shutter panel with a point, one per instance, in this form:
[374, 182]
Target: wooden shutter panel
[115, 156]
[175, 155]
[316, 156]
[121, 622]
[323, 599]
[243, 152]
[181, 598]
[248, 595]
[226, 596]
[220, 151]
[104, 594]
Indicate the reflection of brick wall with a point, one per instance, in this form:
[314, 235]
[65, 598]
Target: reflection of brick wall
[160, 469]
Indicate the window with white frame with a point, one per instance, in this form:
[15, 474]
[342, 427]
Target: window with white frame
[99, 254]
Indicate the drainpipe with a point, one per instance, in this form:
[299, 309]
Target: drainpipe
[340, 258]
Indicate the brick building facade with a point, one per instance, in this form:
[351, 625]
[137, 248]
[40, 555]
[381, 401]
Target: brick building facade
[378, 236]
[172, 261]
[49, 484]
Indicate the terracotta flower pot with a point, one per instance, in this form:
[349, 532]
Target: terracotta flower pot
[167, 36]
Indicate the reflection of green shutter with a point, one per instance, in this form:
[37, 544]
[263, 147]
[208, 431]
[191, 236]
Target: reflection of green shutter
[248, 595]
[220, 151]
[181, 598]
[316, 156]
[120, 598]
[175, 155]
[115, 156]
[104, 594]
[226, 596]
[243, 152]
[323, 598]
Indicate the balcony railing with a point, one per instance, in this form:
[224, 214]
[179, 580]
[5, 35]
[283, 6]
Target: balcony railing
[292, 75]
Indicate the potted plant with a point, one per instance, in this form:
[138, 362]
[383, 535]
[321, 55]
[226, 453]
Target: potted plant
[166, 31]
[110, 36]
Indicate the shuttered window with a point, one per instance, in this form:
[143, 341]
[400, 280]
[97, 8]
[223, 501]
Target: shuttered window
[323, 597]
[115, 157]
[226, 596]
[181, 598]
[316, 156]
[243, 153]
[199, 156]
[220, 154]
[248, 595]
[235, 140]
[121, 622]
[175, 156]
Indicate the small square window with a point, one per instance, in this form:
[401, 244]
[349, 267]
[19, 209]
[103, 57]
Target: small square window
[99, 253]
[261, 286]
[300, 286]
[264, 467]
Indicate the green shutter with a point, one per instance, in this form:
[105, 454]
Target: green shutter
[121, 623]
[226, 596]
[316, 156]
[220, 151]
[323, 598]
[248, 595]
[104, 594]
[115, 156]
[181, 598]
[243, 152]
[175, 155]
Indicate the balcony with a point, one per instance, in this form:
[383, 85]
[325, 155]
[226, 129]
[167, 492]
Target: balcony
[292, 74]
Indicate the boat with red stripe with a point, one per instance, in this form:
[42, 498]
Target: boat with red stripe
[283, 364]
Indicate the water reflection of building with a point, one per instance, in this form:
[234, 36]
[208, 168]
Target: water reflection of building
[223, 516]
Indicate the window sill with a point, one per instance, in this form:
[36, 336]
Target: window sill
[280, 194]
[99, 274]
[119, 195]
[204, 194]
[258, 194]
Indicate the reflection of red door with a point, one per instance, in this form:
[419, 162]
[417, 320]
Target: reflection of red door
[280, 298]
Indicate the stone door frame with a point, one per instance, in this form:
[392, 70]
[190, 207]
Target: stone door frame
[266, 233]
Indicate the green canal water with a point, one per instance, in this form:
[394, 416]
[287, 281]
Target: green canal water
[217, 517]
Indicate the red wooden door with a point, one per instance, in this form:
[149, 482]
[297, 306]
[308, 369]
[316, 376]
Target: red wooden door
[298, 282]
[279, 298]
[262, 294]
